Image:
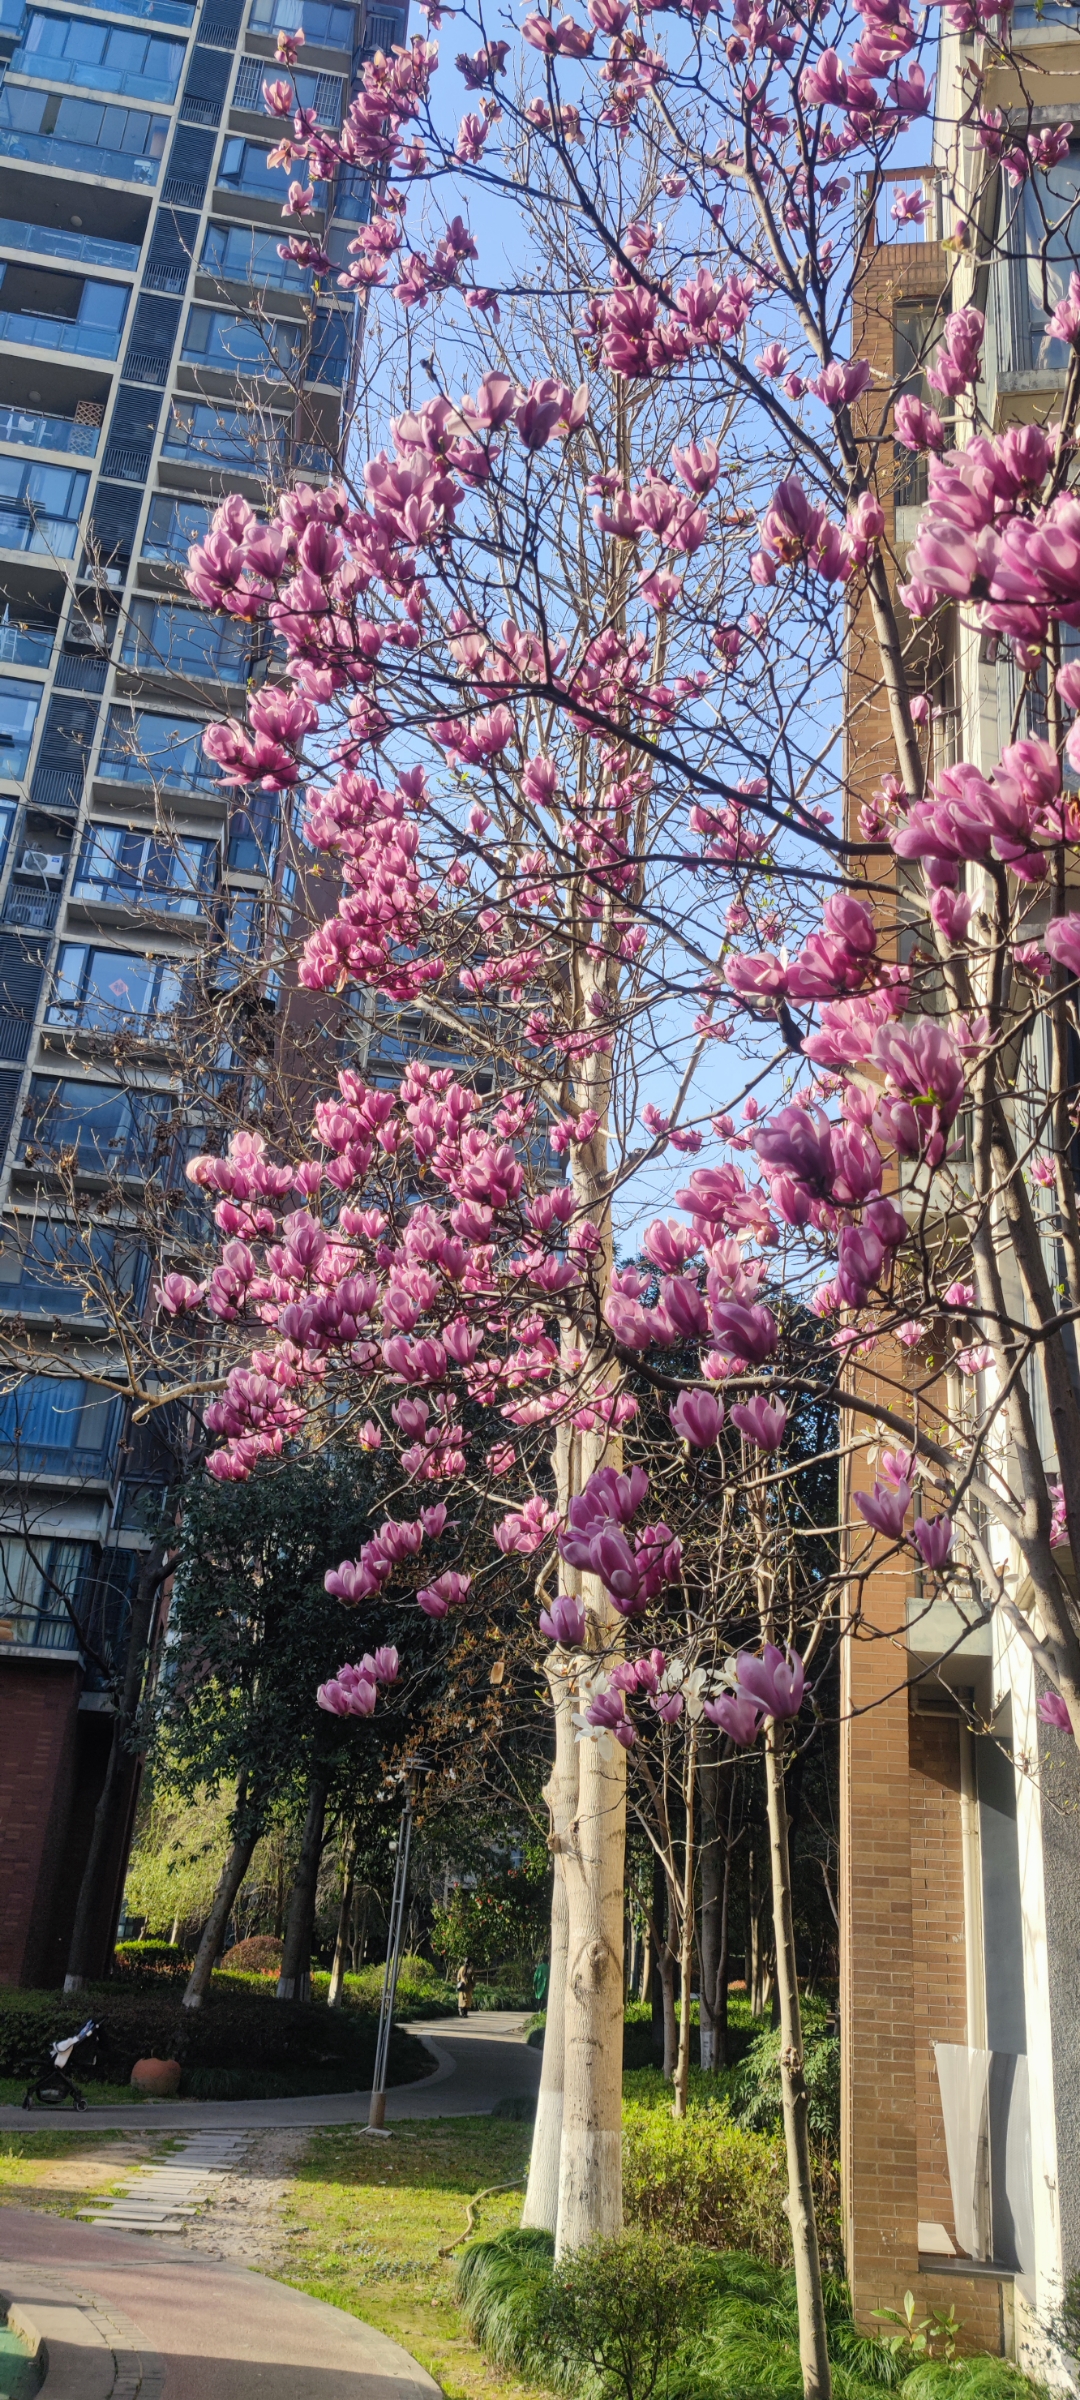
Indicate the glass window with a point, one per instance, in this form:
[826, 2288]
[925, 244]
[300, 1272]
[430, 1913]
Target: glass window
[143, 870]
[253, 835]
[40, 506]
[112, 58]
[113, 991]
[245, 168]
[60, 1270]
[54, 1421]
[39, 1578]
[173, 524]
[1052, 226]
[127, 131]
[111, 1130]
[19, 705]
[218, 339]
[185, 641]
[320, 22]
[198, 429]
[240, 254]
[142, 746]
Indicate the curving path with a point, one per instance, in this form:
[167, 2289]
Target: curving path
[480, 2062]
[122, 2317]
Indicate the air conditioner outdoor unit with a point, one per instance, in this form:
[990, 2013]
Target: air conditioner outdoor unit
[42, 862]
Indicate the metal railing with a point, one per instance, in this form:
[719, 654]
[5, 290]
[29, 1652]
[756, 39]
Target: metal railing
[79, 158]
[26, 906]
[48, 433]
[97, 77]
[59, 333]
[86, 249]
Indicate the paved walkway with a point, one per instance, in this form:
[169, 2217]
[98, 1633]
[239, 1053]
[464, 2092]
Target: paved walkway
[127, 2318]
[478, 2063]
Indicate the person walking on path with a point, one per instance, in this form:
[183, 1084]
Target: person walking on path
[465, 1984]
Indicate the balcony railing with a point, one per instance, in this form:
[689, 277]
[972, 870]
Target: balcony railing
[163, 12]
[79, 158]
[27, 904]
[48, 433]
[59, 333]
[86, 249]
[26, 645]
[31, 1630]
[96, 76]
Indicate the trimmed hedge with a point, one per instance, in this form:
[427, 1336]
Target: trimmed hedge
[237, 2029]
[153, 1958]
[261, 1954]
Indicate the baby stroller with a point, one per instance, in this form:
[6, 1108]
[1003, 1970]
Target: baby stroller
[53, 2085]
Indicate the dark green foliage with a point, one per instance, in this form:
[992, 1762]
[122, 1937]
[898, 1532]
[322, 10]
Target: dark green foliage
[756, 2101]
[238, 2029]
[739, 2329]
[150, 1958]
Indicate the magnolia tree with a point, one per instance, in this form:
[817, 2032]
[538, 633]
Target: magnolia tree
[570, 640]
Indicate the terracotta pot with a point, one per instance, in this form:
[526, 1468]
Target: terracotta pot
[158, 2075]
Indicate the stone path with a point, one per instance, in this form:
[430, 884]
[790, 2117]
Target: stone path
[159, 2197]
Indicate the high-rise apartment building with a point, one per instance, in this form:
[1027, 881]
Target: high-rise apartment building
[960, 1815]
[155, 354]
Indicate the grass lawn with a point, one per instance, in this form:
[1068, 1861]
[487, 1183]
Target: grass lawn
[53, 2168]
[367, 2219]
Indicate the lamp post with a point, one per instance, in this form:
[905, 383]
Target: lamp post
[414, 1768]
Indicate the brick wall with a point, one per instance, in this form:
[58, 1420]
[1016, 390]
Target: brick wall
[38, 1713]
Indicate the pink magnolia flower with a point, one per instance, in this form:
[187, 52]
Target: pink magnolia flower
[776, 1681]
[697, 1418]
[1053, 1710]
[564, 1622]
[762, 1422]
[909, 1333]
[447, 1592]
[1062, 939]
[975, 1360]
[607, 1713]
[349, 1693]
[736, 1715]
[176, 1293]
[525, 1530]
[934, 1538]
[885, 1508]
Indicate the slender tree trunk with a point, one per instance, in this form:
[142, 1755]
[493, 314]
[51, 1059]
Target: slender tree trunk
[175, 1933]
[337, 1971]
[755, 1955]
[813, 2345]
[236, 1865]
[358, 1944]
[542, 2194]
[657, 1921]
[666, 1965]
[294, 1981]
[646, 1967]
[113, 1795]
[712, 1890]
[590, 2177]
[682, 1922]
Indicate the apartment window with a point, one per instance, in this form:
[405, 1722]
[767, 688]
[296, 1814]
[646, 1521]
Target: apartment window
[110, 1130]
[144, 870]
[43, 1591]
[320, 23]
[198, 430]
[50, 1423]
[40, 507]
[215, 338]
[99, 57]
[253, 836]
[164, 12]
[324, 93]
[172, 525]
[243, 938]
[54, 1269]
[145, 746]
[245, 168]
[1051, 205]
[113, 991]
[52, 311]
[184, 641]
[19, 704]
[238, 254]
[86, 136]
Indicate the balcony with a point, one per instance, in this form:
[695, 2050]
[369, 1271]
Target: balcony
[25, 645]
[59, 333]
[162, 639]
[237, 254]
[114, 992]
[31, 905]
[231, 345]
[35, 1579]
[142, 871]
[324, 93]
[84, 137]
[40, 508]
[19, 705]
[244, 170]
[161, 12]
[171, 527]
[83, 249]
[54, 1427]
[108, 1130]
[333, 26]
[49, 433]
[143, 747]
[203, 435]
[99, 58]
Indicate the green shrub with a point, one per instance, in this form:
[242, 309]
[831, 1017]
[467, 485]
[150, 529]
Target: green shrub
[236, 2028]
[152, 1958]
[621, 2311]
[756, 2101]
[261, 1954]
[704, 2179]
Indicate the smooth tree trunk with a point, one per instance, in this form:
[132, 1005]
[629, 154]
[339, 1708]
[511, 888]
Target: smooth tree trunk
[542, 2192]
[115, 1790]
[241, 1852]
[590, 2179]
[337, 1971]
[718, 1847]
[294, 1981]
[813, 2344]
[755, 1947]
